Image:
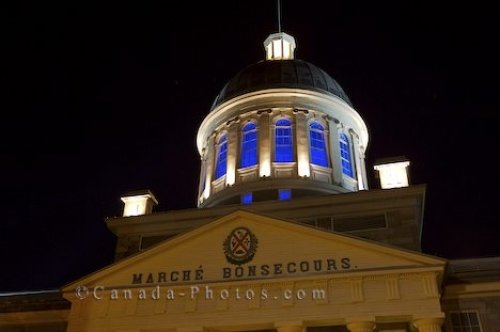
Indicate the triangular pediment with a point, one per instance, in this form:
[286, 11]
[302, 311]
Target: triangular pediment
[249, 246]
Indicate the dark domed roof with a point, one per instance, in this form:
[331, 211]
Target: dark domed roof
[295, 73]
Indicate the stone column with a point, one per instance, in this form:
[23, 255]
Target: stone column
[361, 326]
[353, 137]
[363, 167]
[358, 158]
[429, 324]
[203, 172]
[264, 137]
[335, 161]
[232, 152]
[209, 166]
[303, 167]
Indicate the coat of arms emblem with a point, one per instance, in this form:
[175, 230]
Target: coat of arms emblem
[240, 246]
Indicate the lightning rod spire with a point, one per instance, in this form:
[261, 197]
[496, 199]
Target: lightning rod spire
[279, 16]
[279, 46]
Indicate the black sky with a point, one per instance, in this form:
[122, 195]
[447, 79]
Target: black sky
[103, 99]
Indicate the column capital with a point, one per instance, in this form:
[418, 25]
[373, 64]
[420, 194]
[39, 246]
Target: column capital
[212, 136]
[266, 111]
[429, 324]
[304, 111]
[330, 118]
[360, 325]
[233, 121]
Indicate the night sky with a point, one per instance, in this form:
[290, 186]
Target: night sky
[103, 99]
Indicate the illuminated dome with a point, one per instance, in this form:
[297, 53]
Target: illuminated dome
[280, 129]
[295, 74]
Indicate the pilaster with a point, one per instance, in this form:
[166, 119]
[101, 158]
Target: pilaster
[335, 160]
[356, 159]
[264, 144]
[304, 169]
[203, 174]
[232, 152]
[209, 166]
[362, 166]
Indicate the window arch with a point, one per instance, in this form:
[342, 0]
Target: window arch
[317, 145]
[221, 164]
[283, 141]
[345, 155]
[248, 155]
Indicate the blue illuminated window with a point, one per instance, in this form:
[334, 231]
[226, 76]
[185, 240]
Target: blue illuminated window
[283, 141]
[345, 155]
[248, 145]
[285, 194]
[246, 198]
[221, 165]
[317, 146]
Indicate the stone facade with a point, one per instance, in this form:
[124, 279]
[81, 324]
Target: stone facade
[336, 257]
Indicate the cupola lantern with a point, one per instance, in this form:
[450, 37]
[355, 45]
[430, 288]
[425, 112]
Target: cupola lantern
[280, 46]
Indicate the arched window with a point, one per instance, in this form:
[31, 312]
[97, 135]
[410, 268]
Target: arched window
[221, 165]
[248, 145]
[283, 141]
[345, 155]
[317, 146]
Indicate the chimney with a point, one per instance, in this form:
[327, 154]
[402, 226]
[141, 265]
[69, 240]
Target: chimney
[393, 172]
[138, 203]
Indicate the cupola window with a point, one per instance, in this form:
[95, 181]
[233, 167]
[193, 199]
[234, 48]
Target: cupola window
[285, 194]
[248, 145]
[246, 198]
[283, 141]
[221, 165]
[345, 155]
[317, 144]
